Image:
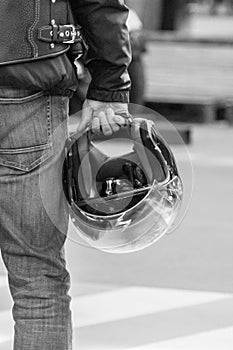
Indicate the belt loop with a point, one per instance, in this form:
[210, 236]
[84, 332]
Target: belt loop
[52, 11]
[53, 20]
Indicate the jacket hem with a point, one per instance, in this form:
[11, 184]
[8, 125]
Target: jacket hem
[121, 96]
[25, 60]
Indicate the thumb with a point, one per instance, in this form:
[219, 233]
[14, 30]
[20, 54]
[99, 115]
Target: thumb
[85, 119]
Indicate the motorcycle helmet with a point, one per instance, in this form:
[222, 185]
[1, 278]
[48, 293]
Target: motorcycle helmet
[122, 203]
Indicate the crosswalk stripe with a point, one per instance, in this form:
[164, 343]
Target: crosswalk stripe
[130, 333]
[6, 330]
[150, 318]
[134, 301]
[214, 340]
[3, 281]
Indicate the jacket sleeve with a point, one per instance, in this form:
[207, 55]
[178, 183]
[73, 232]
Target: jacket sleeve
[109, 54]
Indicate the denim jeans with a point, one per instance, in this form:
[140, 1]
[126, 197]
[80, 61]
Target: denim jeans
[32, 246]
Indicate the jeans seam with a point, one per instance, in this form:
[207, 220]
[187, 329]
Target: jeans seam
[46, 147]
[24, 149]
[49, 121]
[32, 28]
[16, 100]
[18, 166]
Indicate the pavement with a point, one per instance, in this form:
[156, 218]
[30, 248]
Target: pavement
[176, 294]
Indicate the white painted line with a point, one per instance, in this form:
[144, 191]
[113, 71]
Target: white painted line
[121, 304]
[134, 301]
[7, 326]
[3, 281]
[221, 339]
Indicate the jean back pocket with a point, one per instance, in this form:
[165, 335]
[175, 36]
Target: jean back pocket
[25, 130]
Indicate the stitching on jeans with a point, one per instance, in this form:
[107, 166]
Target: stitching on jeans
[25, 149]
[31, 29]
[47, 148]
[8, 100]
[23, 167]
[48, 111]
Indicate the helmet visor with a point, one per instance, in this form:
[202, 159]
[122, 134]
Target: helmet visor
[133, 229]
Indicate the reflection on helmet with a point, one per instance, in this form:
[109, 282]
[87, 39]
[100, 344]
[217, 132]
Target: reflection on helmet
[122, 204]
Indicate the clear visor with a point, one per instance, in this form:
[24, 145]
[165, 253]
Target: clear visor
[156, 209]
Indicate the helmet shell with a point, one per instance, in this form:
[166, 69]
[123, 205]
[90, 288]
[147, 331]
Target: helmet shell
[134, 219]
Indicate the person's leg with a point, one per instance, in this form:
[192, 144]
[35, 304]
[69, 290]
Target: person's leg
[31, 245]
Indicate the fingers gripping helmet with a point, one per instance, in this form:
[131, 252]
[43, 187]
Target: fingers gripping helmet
[121, 204]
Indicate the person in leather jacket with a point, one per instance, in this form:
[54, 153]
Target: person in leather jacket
[40, 41]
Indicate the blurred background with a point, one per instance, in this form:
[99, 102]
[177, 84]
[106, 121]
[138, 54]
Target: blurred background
[187, 58]
[178, 293]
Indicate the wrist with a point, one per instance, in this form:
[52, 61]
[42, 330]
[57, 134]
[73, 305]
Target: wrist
[121, 96]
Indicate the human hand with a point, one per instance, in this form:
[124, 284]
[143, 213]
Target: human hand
[107, 117]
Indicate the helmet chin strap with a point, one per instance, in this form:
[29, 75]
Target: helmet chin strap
[85, 165]
[89, 154]
[140, 148]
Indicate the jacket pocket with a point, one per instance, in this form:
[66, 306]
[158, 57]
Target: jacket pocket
[25, 130]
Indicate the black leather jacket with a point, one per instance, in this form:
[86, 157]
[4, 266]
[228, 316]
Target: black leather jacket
[37, 65]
